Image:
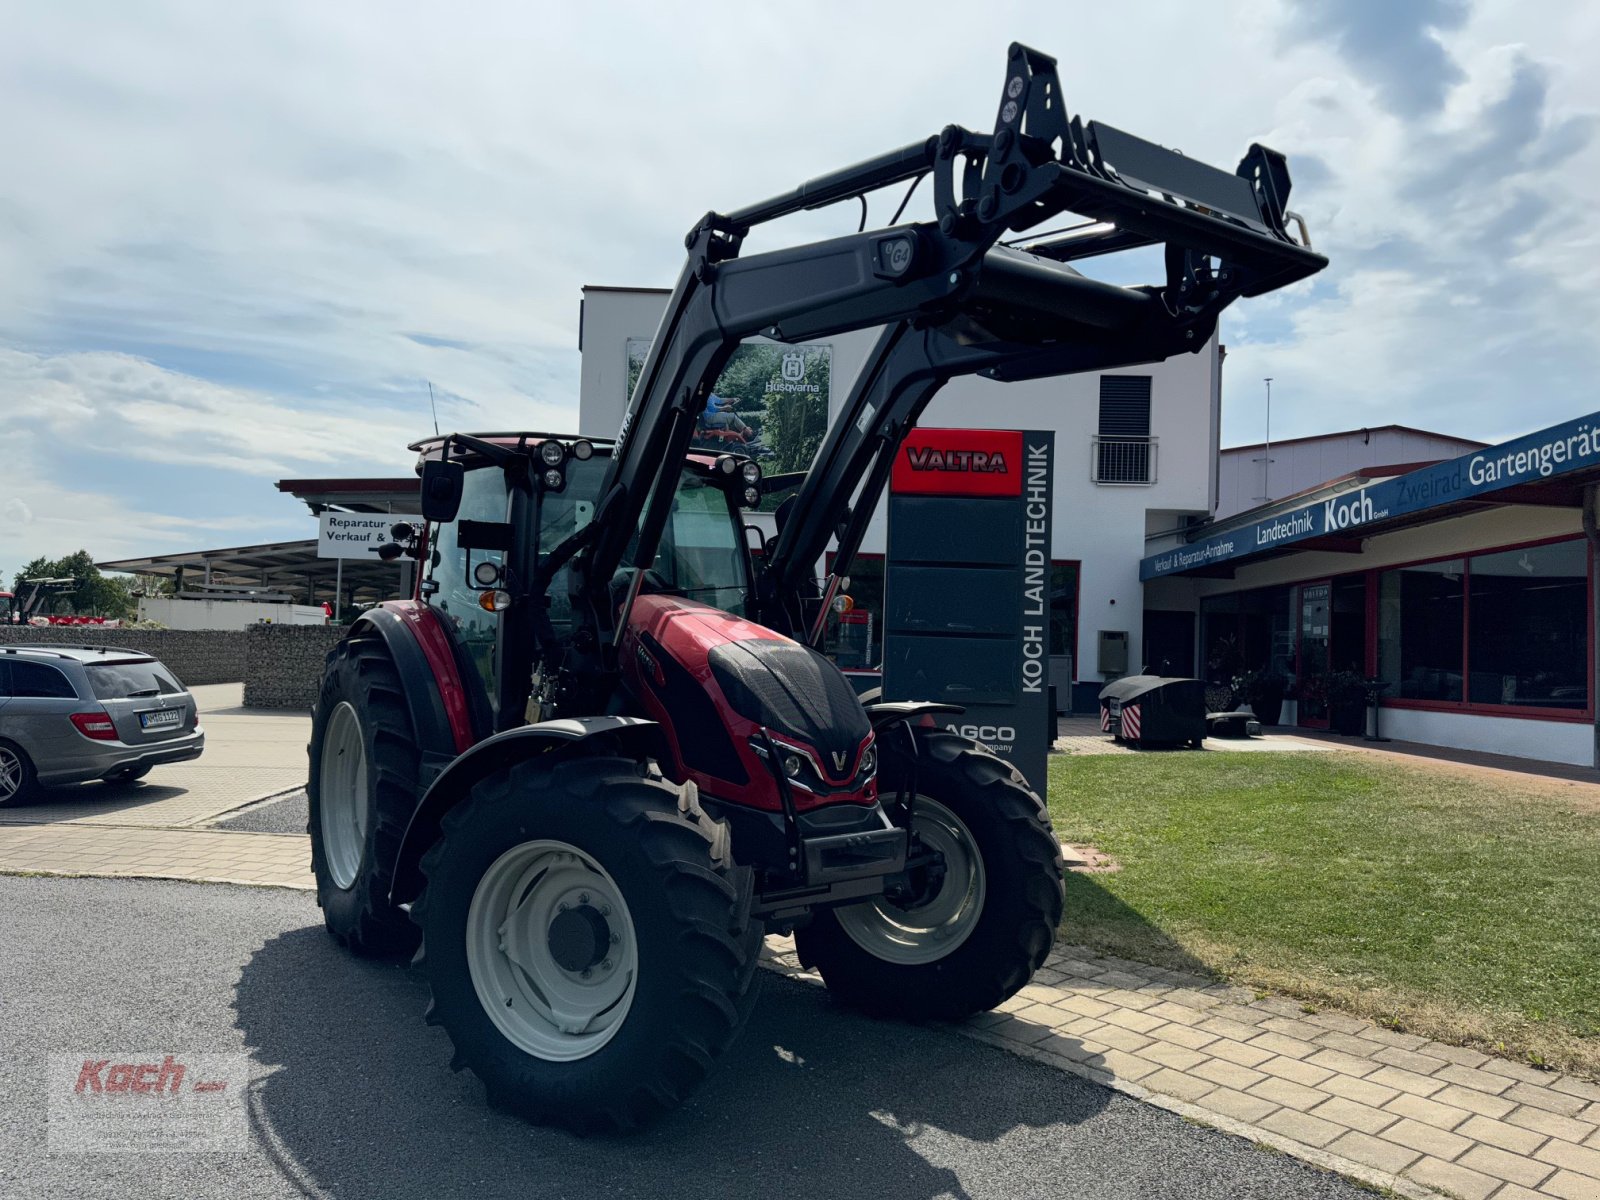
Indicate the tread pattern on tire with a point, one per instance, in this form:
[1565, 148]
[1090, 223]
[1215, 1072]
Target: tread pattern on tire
[1022, 910]
[359, 669]
[662, 833]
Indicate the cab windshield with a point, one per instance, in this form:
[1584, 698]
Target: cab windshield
[701, 554]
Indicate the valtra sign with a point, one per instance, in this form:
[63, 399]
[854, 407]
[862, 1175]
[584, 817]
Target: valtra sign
[959, 462]
[966, 595]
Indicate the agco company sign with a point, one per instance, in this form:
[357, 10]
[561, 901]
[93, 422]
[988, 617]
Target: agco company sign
[1559, 450]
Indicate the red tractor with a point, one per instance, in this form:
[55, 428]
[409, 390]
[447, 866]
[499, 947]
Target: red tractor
[598, 756]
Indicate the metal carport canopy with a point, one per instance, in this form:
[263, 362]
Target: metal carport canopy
[274, 566]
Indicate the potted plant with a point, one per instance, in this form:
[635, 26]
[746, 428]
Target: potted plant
[1347, 702]
[1263, 692]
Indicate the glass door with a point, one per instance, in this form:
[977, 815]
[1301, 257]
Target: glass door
[1316, 618]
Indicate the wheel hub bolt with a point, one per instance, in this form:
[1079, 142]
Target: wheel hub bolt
[586, 973]
[606, 966]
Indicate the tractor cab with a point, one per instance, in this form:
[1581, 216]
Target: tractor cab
[524, 498]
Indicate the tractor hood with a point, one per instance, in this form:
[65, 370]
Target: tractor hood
[793, 691]
[719, 685]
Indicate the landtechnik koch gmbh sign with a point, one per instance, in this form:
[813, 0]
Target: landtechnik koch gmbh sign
[1559, 450]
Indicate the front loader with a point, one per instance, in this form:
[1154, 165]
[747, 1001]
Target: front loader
[598, 755]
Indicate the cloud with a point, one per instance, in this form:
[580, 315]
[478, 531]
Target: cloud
[238, 245]
[1394, 47]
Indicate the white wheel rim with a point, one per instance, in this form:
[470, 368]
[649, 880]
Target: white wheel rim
[553, 1011]
[933, 929]
[10, 773]
[343, 795]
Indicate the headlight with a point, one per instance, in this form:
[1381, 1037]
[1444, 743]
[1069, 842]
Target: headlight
[792, 765]
[727, 464]
[551, 452]
[752, 473]
[582, 450]
[752, 497]
[869, 761]
[553, 478]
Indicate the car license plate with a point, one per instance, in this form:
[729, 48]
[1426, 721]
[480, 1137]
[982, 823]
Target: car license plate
[162, 719]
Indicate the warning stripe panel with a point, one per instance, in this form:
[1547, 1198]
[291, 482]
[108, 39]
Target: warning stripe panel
[1130, 721]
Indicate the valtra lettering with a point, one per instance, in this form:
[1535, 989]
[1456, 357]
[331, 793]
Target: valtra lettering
[927, 458]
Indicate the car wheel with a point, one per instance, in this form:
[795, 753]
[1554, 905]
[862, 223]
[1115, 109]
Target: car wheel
[17, 779]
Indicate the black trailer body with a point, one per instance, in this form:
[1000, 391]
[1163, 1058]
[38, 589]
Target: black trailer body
[1154, 710]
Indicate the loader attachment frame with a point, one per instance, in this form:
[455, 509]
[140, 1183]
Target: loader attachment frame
[953, 299]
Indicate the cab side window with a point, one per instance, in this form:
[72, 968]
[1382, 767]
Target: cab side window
[37, 681]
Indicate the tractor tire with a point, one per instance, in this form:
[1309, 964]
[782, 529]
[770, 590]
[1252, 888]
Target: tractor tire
[17, 779]
[362, 789]
[587, 941]
[979, 933]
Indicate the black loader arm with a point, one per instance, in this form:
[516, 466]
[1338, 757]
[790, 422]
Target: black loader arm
[952, 298]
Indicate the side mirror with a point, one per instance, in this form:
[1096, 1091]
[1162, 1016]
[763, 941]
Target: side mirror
[442, 484]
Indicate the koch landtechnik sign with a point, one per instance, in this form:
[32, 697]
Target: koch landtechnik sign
[1572, 446]
[967, 590]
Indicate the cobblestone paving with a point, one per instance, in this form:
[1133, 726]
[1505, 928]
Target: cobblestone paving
[1391, 1108]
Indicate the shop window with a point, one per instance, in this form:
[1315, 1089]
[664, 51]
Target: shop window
[1528, 618]
[1421, 614]
[1248, 631]
[1063, 608]
[855, 639]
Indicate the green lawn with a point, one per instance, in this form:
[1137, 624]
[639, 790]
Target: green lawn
[1443, 902]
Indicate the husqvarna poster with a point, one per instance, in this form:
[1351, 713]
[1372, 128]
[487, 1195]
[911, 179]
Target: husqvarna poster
[770, 402]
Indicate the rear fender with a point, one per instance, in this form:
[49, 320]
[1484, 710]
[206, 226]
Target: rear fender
[629, 735]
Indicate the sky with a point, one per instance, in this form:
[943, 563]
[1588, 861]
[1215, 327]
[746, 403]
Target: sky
[238, 241]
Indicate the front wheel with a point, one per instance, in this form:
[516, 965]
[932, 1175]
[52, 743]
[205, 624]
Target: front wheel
[963, 939]
[586, 946]
[361, 791]
[17, 780]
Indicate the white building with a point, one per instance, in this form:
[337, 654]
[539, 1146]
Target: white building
[1250, 476]
[1136, 456]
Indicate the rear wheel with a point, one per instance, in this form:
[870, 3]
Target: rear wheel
[961, 941]
[586, 946]
[17, 780]
[362, 789]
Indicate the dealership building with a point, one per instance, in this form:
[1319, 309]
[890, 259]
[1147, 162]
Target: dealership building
[1457, 574]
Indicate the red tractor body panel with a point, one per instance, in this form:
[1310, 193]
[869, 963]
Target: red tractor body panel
[675, 658]
[424, 624]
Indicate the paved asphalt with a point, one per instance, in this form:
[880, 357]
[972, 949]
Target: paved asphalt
[351, 1096]
[281, 816]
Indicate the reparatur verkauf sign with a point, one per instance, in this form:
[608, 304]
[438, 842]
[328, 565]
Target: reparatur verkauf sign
[358, 535]
[1535, 458]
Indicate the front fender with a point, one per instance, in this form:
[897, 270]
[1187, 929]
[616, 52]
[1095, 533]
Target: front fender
[889, 712]
[492, 755]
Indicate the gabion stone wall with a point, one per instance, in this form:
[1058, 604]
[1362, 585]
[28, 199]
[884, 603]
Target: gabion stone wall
[195, 656]
[283, 667]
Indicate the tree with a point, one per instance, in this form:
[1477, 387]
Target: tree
[94, 595]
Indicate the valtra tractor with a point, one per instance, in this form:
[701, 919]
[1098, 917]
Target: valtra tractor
[598, 756]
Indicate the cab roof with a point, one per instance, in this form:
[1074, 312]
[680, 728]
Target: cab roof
[527, 442]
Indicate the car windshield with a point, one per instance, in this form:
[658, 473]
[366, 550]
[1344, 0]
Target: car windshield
[131, 680]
